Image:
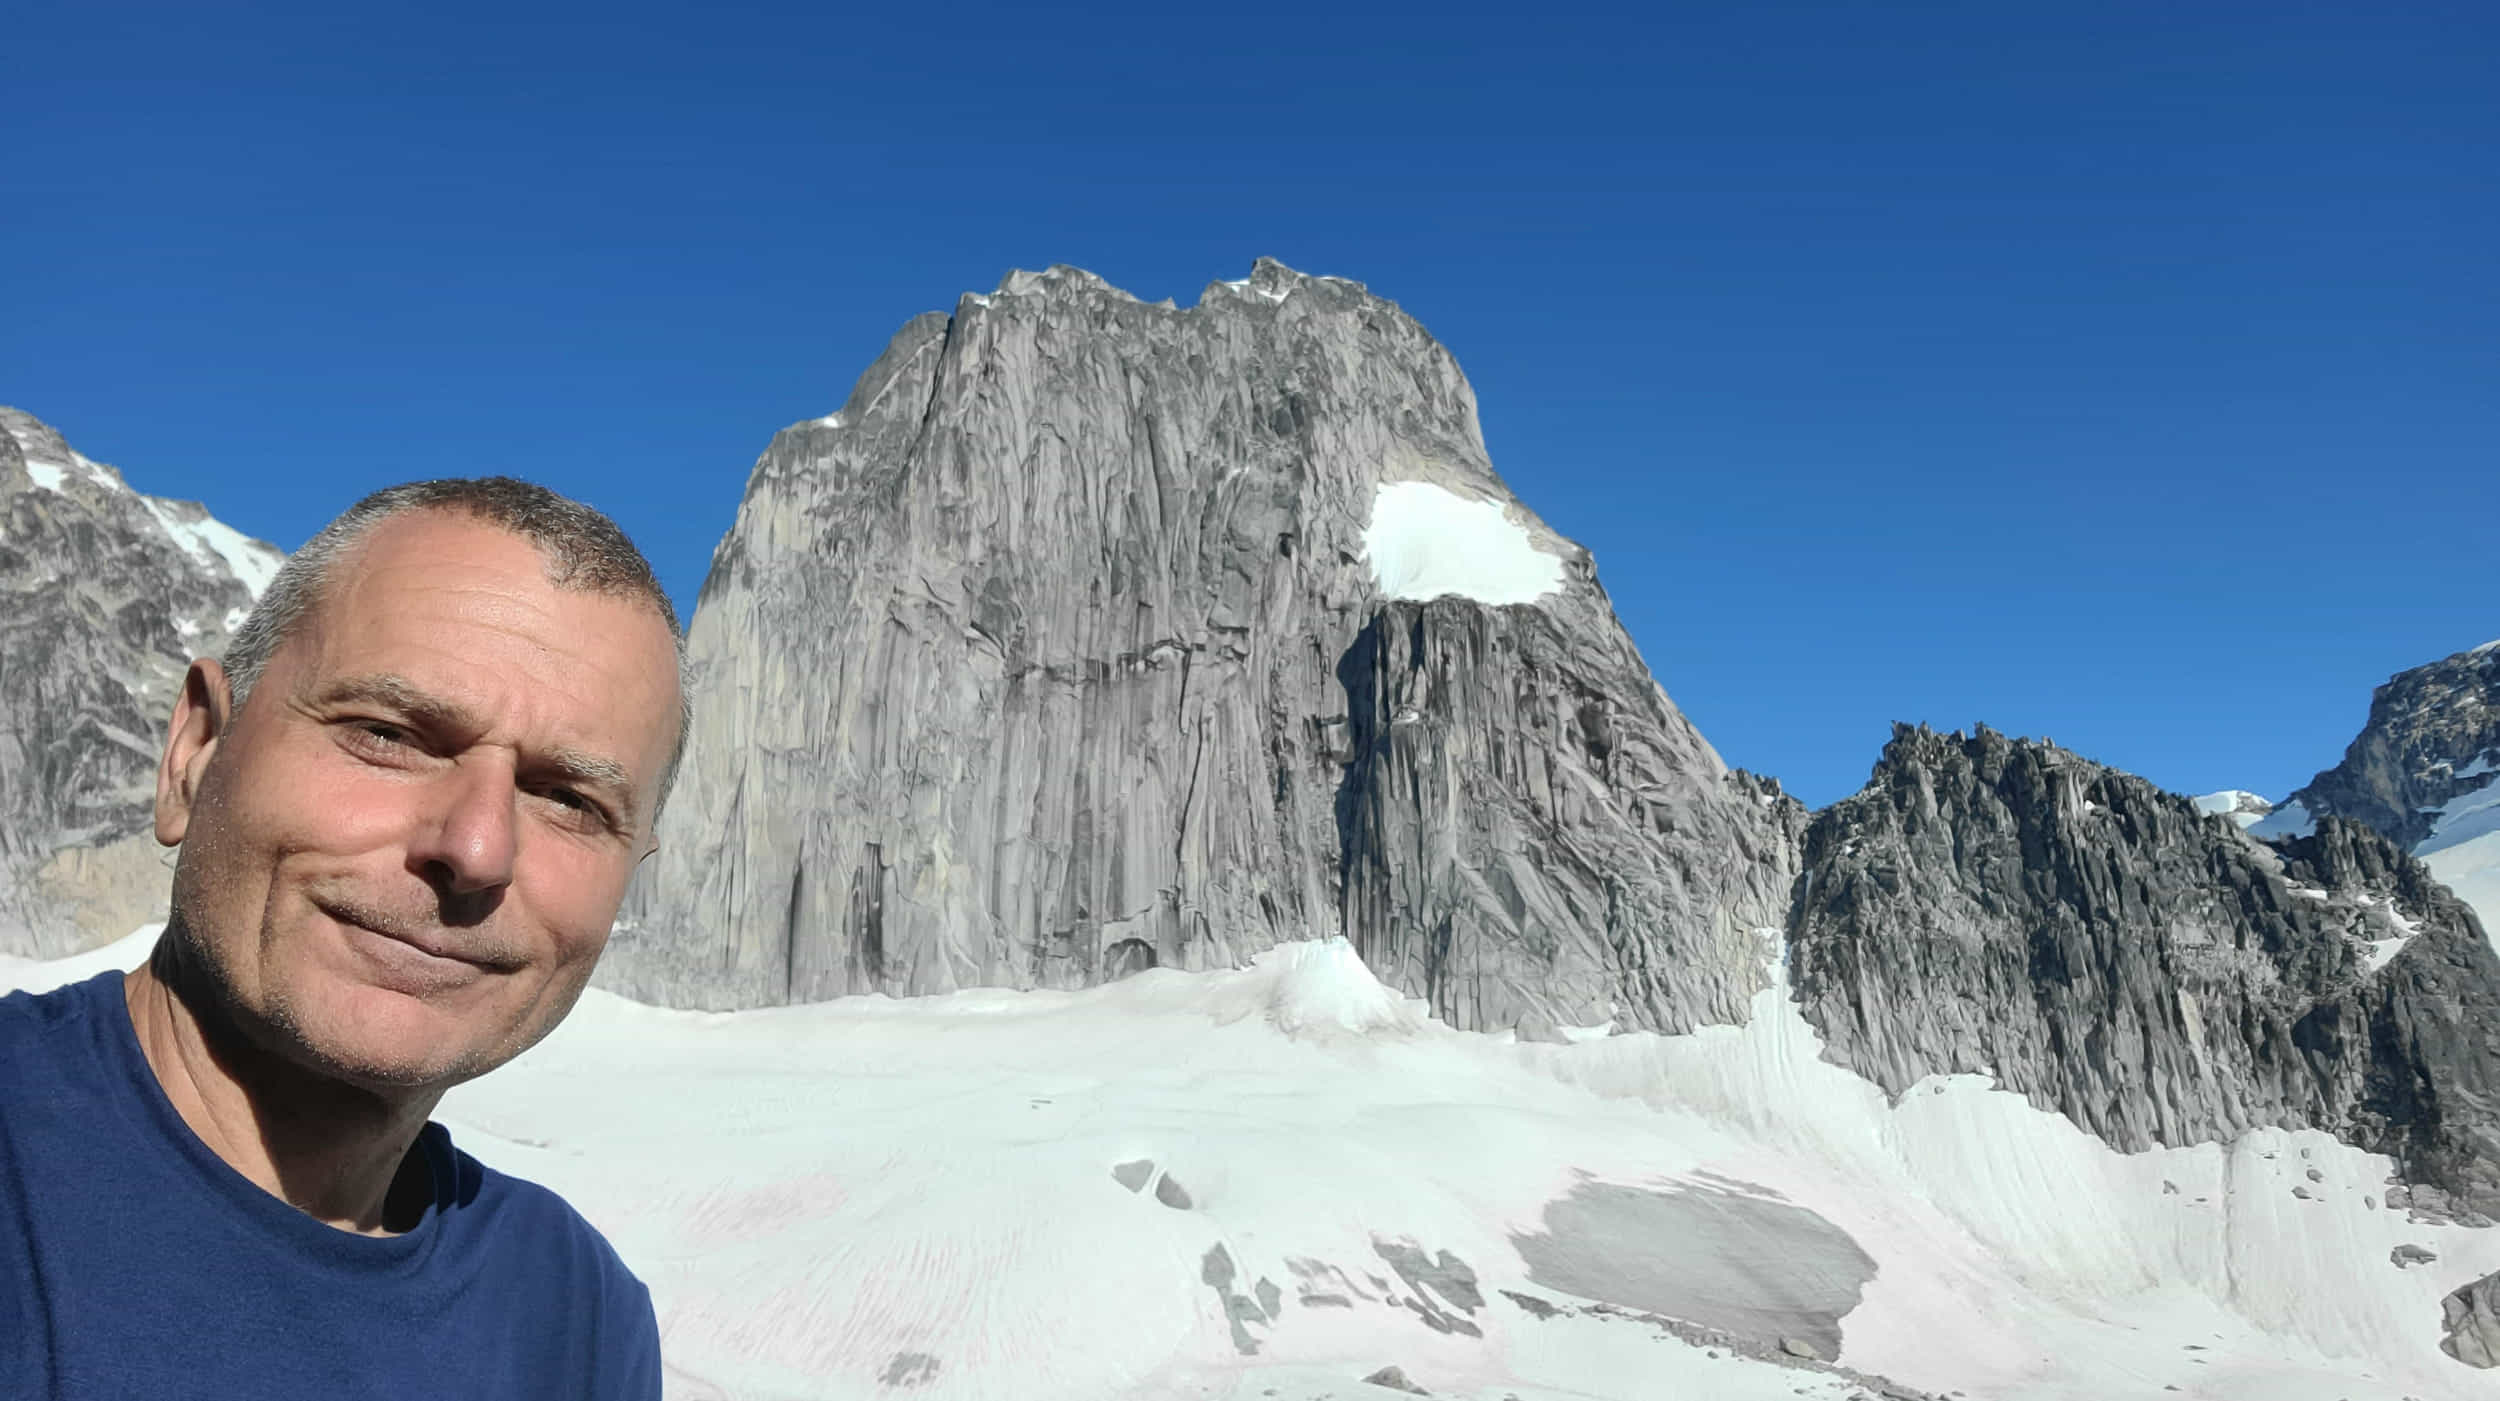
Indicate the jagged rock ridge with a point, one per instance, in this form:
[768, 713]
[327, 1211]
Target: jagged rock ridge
[1062, 651]
[2006, 907]
[105, 596]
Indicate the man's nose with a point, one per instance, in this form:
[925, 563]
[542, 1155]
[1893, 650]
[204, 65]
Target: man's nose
[464, 845]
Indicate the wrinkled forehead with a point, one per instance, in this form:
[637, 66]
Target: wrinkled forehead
[458, 606]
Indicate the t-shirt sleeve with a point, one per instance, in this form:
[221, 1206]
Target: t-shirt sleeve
[634, 1358]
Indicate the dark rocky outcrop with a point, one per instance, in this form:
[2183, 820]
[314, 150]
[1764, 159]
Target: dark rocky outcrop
[1063, 651]
[1994, 905]
[105, 597]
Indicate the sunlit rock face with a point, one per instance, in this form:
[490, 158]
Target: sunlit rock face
[105, 597]
[2006, 907]
[1093, 635]
[2425, 773]
[2433, 737]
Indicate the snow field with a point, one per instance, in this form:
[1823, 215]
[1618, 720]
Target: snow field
[2463, 849]
[874, 1198]
[1426, 541]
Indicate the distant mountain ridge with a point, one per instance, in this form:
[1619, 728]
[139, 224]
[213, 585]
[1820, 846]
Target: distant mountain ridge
[106, 594]
[1093, 636]
[2005, 907]
[2424, 772]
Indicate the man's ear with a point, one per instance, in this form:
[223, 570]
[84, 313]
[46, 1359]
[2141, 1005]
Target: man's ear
[201, 714]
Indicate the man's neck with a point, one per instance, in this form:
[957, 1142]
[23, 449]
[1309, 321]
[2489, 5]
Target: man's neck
[337, 1152]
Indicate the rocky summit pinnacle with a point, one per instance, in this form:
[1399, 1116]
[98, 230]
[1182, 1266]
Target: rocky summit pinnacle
[1094, 635]
[105, 597]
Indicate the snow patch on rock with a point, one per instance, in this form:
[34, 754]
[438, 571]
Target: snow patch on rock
[2241, 806]
[2292, 819]
[1426, 541]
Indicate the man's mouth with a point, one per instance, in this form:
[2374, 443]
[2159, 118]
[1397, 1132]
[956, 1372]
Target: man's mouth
[433, 943]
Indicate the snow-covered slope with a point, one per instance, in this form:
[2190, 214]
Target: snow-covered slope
[2463, 847]
[1277, 1180]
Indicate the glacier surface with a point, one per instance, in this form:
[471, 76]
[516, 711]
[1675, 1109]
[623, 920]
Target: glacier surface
[1277, 1179]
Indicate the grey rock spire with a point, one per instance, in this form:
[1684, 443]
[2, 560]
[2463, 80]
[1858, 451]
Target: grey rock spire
[2001, 906]
[1085, 638]
[105, 597]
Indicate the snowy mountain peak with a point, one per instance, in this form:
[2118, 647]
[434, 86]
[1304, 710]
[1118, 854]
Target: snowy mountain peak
[2240, 805]
[112, 593]
[1056, 280]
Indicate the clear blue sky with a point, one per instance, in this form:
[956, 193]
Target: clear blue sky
[2124, 373]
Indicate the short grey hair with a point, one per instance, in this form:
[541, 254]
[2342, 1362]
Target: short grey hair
[582, 548]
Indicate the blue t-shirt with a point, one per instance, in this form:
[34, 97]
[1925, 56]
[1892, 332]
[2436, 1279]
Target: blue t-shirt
[134, 1263]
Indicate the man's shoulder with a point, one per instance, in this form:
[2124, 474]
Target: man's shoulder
[517, 1211]
[40, 1027]
[39, 1010]
[529, 1239]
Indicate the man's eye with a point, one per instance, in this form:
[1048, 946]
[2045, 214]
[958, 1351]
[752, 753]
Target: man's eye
[576, 805]
[383, 733]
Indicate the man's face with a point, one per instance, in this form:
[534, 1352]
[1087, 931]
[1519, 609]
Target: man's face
[402, 856]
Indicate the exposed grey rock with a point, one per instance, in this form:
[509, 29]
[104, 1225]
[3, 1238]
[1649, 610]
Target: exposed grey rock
[2404, 1256]
[1135, 1174]
[105, 597]
[909, 1369]
[1395, 1379]
[1318, 1284]
[1172, 1194]
[1435, 1285]
[1216, 1271]
[1534, 1306]
[2470, 1317]
[1057, 655]
[2006, 907]
[1752, 1268]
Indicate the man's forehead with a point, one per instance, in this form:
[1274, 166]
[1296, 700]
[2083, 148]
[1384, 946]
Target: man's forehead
[463, 612]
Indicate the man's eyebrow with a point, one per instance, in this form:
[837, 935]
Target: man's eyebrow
[397, 692]
[594, 771]
[574, 766]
